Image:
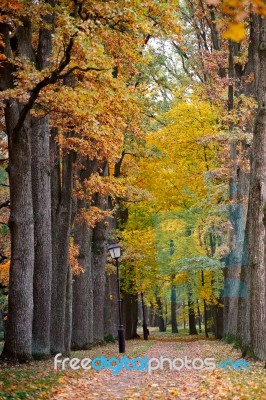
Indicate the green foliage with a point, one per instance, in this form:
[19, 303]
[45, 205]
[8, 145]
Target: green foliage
[27, 383]
[3, 301]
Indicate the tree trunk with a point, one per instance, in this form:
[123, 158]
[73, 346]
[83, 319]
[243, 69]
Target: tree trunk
[82, 323]
[82, 328]
[173, 309]
[20, 300]
[61, 221]
[257, 199]
[68, 312]
[161, 323]
[191, 319]
[130, 315]
[41, 193]
[99, 245]
[244, 294]
[233, 260]
[99, 249]
[110, 309]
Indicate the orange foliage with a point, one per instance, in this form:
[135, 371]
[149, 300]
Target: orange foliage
[4, 273]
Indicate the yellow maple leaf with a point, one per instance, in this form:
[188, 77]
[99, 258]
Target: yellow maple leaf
[235, 31]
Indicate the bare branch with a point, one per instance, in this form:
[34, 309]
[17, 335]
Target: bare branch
[45, 82]
[3, 223]
[5, 204]
[77, 68]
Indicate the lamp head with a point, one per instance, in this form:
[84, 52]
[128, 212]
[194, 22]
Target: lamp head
[115, 250]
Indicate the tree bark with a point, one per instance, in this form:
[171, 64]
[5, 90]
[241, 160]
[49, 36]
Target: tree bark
[173, 309]
[82, 328]
[68, 312]
[244, 294]
[130, 314]
[110, 309]
[191, 319]
[61, 221]
[99, 249]
[41, 193]
[161, 322]
[257, 199]
[20, 300]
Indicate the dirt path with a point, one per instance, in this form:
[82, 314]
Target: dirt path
[167, 384]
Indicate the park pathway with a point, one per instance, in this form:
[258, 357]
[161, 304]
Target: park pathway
[166, 384]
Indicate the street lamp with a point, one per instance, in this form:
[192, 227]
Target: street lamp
[115, 252]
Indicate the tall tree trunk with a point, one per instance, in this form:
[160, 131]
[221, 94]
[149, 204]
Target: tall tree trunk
[191, 319]
[99, 244]
[110, 308]
[61, 221]
[244, 293]
[99, 248]
[82, 323]
[161, 322]
[41, 193]
[233, 260]
[68, 312]
[130, 314]
[257, 199]
[173, 308]
[20, 300]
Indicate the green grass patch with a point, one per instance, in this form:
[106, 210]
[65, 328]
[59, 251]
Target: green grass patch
[33, 381]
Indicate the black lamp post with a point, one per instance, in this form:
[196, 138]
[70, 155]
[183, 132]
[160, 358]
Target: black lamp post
[115, 251]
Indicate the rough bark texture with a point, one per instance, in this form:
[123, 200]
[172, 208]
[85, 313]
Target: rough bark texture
[82, 328]
[235, 274]
[160, 319]
[173, 309]
[191, 319]
[233, 260]
[99, 249]
[61, 221]
[41, 193]
[257, 199]
[99, 245]
[130, 314]
[82, 323]
[68, 312]
[20, 304]
[110, 308]
[244, 293]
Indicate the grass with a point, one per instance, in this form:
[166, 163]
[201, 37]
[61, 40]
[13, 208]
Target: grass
[35, 380]
[31, 381]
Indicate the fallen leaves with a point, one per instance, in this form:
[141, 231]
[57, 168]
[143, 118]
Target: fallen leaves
[39, 380]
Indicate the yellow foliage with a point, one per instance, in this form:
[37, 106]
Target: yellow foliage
[73, 252]
[4, 273]
[236, 31]
[236, 11]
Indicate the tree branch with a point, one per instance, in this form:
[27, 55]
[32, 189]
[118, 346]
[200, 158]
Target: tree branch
[3, 223]
[77, 68]
[45, 82]
[5, 204]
